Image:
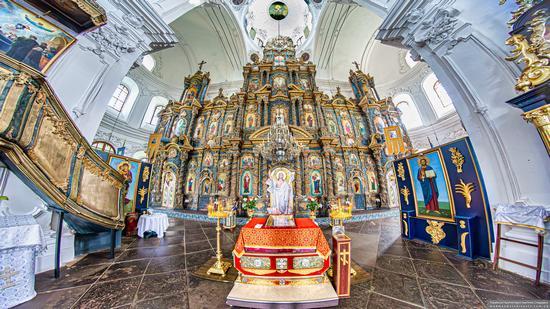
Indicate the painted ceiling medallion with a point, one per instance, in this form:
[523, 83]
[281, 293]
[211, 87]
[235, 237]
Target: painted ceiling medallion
[278, 10]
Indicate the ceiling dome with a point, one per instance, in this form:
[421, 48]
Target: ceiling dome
[260, 26]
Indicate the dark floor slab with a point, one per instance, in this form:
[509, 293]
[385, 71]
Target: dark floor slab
[490, 296]
[438, 271]
[110, 294]
[162, 285]
[169, 250]
[101, 257]
[397, 286]
[377, 301]
[166, 264]
[198, 258]
[201, 291]
[396, 264]
[53, 300]
[197, 246]
[426, 254]
[168, 302]
[195, 238]
[70, 277]
[442, 295]
[394, 250]
[156, 242]
[125, 270]
[136, 254]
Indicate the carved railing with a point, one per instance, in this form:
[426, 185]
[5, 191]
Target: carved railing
[42, 146]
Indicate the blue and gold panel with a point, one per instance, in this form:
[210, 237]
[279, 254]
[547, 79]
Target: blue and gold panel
[143, 181]
[443, 199]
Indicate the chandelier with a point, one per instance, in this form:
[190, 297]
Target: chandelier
[280, 146]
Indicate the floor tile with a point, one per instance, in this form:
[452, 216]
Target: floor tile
[70, 277]
[53, 300]
[438, 271]
[440, 295]
[166, 264]
[124, 270]
[110, 294]
[161, 285]
[396, 286]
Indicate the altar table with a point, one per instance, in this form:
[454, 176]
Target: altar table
[21, 240]
[157, 223]
[281, 254]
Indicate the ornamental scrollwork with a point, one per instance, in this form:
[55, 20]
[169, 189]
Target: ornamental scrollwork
[435, 230]
[533, 52]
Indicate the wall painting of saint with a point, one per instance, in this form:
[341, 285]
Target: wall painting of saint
[433, 198]
[129, 169]
[246, 183]
[190, 183]
[316, 184]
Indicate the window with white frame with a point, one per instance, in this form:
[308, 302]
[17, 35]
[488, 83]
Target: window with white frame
[437, 95]
[148, 62]
[409, 113]
[150, 119]
[119, 98]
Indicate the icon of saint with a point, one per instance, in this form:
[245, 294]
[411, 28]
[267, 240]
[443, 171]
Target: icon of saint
[426, 176]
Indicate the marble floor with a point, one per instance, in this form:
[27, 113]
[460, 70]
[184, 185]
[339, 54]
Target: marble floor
[156, 273]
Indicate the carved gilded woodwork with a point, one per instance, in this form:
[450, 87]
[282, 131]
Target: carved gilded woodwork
[405, 192]
[465, 189]
[457, 158]
[435, 230]
[42, 144]
[540, 117]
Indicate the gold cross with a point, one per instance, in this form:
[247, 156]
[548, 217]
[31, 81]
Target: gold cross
[344, 257]
[201, 64]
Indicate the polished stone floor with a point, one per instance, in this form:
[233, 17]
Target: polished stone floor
[156, 273]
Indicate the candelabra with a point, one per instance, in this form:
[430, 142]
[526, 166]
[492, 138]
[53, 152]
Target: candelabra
[220, 267]
[339, 213]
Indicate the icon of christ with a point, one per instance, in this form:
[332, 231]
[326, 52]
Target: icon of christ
[280, 195]
[426, 175]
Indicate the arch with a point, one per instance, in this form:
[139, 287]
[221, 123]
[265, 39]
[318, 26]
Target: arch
[409, 111]
[103, 146]
[438, 97]
[122, 106]
[150, 118]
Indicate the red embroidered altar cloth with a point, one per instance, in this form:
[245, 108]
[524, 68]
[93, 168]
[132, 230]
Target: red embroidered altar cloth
[305, 237]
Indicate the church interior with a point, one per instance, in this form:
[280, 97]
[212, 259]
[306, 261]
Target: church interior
[274, 154]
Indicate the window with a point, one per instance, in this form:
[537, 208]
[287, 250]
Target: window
[438, 96]
[154, 116]
[150, 118]
[409, 60]
[148, 62]
[119, 98]
[409, 113]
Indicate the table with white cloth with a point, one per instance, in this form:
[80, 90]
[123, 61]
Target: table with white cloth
[21, 240]
[157, 223]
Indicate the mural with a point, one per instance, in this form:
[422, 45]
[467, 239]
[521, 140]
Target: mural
[431, 189]
[30, 39]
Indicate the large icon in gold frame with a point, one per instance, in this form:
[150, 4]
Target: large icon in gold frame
[432, 193]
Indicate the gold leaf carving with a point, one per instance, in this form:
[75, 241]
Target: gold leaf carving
[401, 171]
[465, 189]
[457, 158]
[435, 230]
[406, 227]
[463, 242]
[405, 192]
[142, 192]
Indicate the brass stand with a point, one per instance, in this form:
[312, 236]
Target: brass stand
[220, 267]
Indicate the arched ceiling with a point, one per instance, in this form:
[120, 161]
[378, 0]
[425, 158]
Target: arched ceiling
[209, 33]
[342, 32]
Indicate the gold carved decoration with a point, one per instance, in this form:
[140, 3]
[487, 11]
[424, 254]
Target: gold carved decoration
[142, 192]
[463, 241]
[98, 171]
[405, 192]
[533, 51]
[524, 5]
[462, 224]
[406, 227]
[465, 189]
[145, 175]
[435, 230]
[401, 171]
[540, 117]
[457, 158]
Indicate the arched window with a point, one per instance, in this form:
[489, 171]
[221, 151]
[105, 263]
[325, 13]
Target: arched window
[103, 146]
[409, 60]
[148, 62]
[119, 98]
[150, 119]
[409, 113]
[437, 95]
[123, 99]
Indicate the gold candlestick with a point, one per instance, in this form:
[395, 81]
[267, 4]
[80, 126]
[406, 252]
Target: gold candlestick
[220, 267]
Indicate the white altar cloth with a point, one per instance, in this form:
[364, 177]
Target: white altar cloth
[155, 222]
[528, 216]
[21, 240]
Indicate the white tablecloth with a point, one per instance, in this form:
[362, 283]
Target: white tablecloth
[21, 239]
[155, 222]
[528, 216]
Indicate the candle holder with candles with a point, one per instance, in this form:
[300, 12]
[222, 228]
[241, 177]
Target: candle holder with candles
[338, 213]
[220, 267]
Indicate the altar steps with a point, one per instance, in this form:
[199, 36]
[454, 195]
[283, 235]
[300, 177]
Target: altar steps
[283, 296]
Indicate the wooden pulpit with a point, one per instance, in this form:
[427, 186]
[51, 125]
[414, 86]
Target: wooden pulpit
[341, 264]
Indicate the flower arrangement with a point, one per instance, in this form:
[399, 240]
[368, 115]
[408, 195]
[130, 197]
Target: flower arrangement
[312, 203]
[249, 203]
